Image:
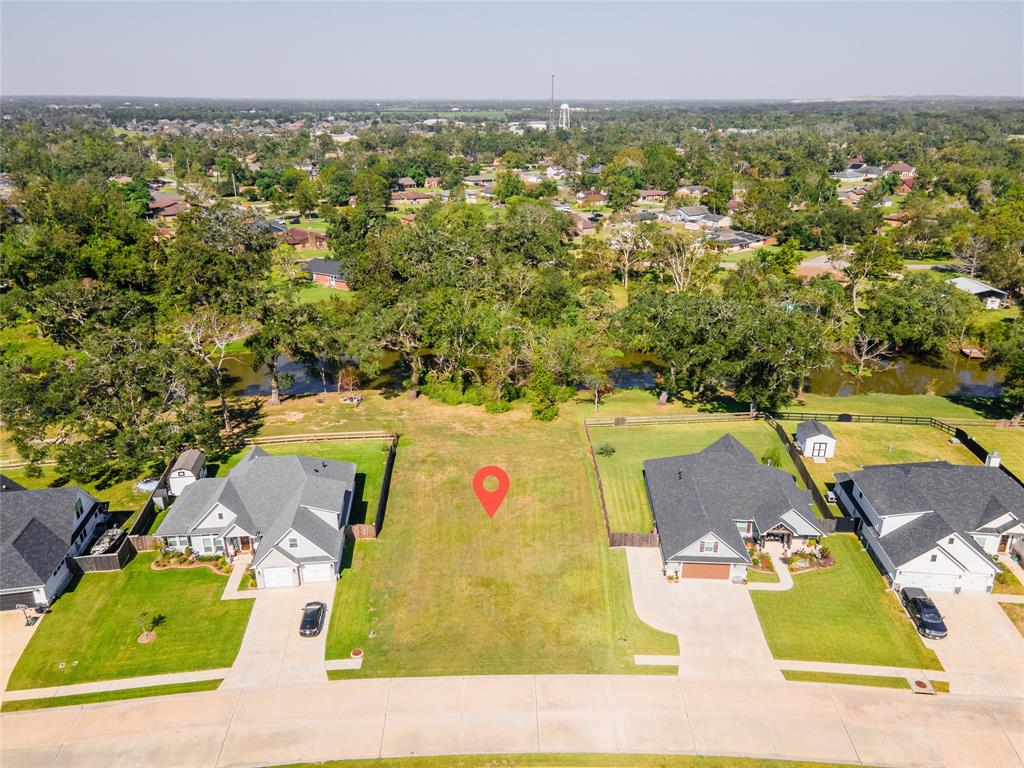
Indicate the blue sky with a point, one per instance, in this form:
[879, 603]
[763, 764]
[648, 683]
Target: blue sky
[495, 50]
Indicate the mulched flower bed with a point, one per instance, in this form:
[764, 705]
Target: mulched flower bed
[158, 566]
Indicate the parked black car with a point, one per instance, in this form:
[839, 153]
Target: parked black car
[923, 613]
[312, 619]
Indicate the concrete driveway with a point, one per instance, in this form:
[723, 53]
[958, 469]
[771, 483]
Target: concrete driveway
[984, 652]
[14, 636]
[272, 651]
[720, 637]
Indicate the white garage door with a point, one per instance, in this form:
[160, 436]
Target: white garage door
[937, 582]
[974, 582]
[278, 577]
[317, 572]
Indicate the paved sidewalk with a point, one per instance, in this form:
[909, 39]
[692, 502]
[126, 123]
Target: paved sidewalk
[547, 714]
[122, 684]
[785, 577]
[1014, 567]
[231, 590]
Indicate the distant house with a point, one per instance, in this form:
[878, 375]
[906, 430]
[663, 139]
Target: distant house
[848, 175]
[905, 170]
[41, 530]
[734, 240]
[407, 182]
[644, 216]
[989, 295]
[305, 240]
[692, 190]
[432, 182]
[592, 197]
[584, 226]
[651, 195]
[905, 186]
[815, 440]
[187, 468]
[410, 197]
[289, 511]
[707, 505]
[167, 206]
[327, 272]
[935, 525]
[479, 179]
[407, 219]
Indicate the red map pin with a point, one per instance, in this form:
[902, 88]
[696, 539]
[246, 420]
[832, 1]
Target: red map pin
[490, 500]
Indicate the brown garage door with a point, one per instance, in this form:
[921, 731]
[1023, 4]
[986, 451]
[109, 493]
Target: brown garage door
[706, 570]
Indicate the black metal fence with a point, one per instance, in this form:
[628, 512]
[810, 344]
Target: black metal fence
[385, 486]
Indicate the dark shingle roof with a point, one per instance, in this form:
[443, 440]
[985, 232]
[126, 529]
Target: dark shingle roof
[191, 460]
[707, 492]
[324, 267]
[37, 529]
[812, 428]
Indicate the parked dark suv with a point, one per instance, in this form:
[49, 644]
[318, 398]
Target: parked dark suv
[312, 619]
[923, 613]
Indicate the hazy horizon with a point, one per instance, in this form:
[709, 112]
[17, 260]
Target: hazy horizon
[504, 51]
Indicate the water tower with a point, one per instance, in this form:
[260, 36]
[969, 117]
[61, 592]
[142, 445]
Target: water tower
[563, 117]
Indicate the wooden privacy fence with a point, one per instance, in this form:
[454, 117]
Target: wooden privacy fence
[363, 531]
[801, 468]
[109, 561]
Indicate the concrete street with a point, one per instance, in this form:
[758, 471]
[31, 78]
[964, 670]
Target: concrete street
[465, 715]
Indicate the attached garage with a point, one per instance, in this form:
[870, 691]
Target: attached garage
[707, 570]
[11, 600]
[978, 582]
[937, 582]
[317, 572]
[280, 577]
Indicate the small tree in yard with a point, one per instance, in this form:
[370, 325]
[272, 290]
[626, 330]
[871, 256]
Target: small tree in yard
[348, 379]
[606, 449]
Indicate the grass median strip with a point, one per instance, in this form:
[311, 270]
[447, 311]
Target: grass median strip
[801, 676]
[21, 705]
[561, 760]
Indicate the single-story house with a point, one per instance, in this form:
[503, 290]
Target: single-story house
[479, 179]
[432, 182]
[584, 226]
[815, 440]
[935, 525]
[905, 186]
[406, 182]
[305, 239]
[327, 272]
[289, 511]
[707, 505]
[736, 240]
[410, 197]
[651, 195]
[167, 206]
[692, 190]
[187, 468]
[905, 170]
[989, 295]
[592, 197]
[40, 531]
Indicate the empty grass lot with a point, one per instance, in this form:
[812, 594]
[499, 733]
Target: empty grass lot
[93, 628]
[448, 590]
[622, 472]
[861, 444]
[1009, 442]
[841, 614]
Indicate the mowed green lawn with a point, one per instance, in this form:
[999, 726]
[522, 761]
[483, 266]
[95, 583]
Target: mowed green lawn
[862, 444]
[841, 614]
[1008, 442]
[622, 473]
[369, 456]
[94, 628]
[448, 590]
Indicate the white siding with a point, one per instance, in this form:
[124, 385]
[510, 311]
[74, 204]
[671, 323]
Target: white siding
[218, 517]
[891, 523]
[178, 481]
[828, 442]
[303, 546]
[724, 550]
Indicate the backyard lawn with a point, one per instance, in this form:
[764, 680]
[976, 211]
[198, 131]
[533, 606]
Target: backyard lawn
[841, 614]
[448, 590]
[862, 444]
[93, 628]
[1008, 442]
[310, 292]
[622, 472]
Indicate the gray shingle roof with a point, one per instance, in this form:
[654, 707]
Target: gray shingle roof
[812, 428]
[955, 499]
[191, 460]
[324, 267]
[270, 495]
[708, 492]
[37, 529]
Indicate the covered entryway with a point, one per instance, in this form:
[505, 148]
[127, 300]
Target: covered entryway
[317, 572]
[280, 577]
[707, 570]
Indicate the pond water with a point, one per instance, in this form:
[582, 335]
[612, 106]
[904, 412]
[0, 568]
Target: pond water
[959, 377]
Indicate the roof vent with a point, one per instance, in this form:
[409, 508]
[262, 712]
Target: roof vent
[993, 459]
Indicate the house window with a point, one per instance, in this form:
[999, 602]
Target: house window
[934, 558]
[78, 508]
[220, 515]
[293, 543]
[709, 546]
[949, 540]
